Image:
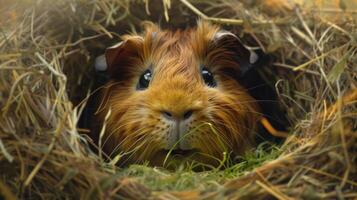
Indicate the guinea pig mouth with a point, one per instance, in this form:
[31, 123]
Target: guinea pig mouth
[181, 152]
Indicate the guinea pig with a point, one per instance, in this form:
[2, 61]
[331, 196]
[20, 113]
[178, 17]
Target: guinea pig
[175, 96]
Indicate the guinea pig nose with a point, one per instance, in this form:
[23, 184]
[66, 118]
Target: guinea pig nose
[187, 114]
[167, 115]
[170, 116]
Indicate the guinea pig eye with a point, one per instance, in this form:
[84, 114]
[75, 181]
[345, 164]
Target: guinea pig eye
[144, 80]
[208, 78]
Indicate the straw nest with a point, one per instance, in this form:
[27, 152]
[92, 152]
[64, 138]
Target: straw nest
[47, 49]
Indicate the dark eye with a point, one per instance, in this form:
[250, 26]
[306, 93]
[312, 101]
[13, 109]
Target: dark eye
[144, 80]
[208, 77]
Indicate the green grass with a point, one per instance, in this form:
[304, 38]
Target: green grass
[184, 178]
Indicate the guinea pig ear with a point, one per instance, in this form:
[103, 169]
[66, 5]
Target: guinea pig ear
[119, 55]
[246, 58]
[100, 64]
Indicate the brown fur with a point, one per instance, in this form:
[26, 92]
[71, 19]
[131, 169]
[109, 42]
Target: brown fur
[134, 126]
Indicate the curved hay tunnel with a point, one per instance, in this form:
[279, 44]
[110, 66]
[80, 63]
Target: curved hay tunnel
[46, 53]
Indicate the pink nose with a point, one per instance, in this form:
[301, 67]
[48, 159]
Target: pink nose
[182, 116]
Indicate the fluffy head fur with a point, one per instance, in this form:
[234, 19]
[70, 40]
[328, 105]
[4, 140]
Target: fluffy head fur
[223, 117]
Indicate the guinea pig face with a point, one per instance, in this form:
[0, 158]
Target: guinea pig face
[177, 92]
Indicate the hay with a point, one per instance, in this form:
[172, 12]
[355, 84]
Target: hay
[46, 53]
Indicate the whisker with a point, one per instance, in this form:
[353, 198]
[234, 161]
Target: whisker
[119, 127]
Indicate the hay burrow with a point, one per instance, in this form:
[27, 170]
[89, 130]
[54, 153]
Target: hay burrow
[46, 53]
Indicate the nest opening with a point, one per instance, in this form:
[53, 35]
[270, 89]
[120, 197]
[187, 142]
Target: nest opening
[46, 71]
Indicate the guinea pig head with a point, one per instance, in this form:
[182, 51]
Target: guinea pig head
[176, 93]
